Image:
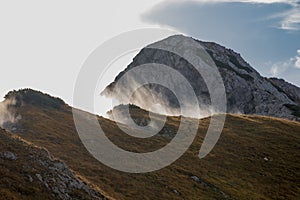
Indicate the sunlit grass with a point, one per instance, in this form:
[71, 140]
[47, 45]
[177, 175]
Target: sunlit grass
[236, 166]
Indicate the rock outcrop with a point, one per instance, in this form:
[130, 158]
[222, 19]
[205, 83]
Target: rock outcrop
[29, 171]
[29, 96]
[289, 89]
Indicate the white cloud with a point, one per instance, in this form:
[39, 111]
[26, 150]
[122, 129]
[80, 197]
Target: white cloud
[274, 70]
[247, 1]
[280, 67]
[289, 20]
[297, 63]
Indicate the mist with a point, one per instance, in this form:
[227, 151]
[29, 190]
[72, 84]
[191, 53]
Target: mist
[157, 99]
[8, 114]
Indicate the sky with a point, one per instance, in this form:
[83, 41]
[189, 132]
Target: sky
[266, 34]
[43, 44]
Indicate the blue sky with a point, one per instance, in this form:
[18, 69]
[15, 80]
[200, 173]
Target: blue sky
[266, 34]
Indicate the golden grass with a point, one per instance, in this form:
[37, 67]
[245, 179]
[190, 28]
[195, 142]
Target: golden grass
[236, 165]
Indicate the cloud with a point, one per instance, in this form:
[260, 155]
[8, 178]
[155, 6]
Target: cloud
[280, 67]
[288, 20]
[7, 113]
[292, 2]
[297, 63]
[246, 1]
[274, 70]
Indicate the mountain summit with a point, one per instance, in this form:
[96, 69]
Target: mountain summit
[247, 91]
[29, 96]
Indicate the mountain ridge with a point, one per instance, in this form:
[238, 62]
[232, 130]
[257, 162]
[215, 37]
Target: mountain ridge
[255, 156]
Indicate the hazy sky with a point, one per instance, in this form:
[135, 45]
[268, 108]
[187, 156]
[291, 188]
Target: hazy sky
[43, 44]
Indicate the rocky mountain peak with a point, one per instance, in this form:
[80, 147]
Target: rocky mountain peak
[247, 91]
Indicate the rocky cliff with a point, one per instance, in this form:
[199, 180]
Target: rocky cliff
[247, 91]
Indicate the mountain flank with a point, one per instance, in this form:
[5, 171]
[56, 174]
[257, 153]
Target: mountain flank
[256, 157]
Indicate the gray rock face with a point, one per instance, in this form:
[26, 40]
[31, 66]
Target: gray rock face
[195, 178]
[291, 90]
[246, 90]
[8, 155]
[59, 179]
[206, 184]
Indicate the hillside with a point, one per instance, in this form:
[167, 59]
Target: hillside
[255, 158]
[30, 172]
[246, 90]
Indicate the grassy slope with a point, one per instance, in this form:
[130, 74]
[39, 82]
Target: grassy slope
[236, 166]
[18, 176]
[14, 184]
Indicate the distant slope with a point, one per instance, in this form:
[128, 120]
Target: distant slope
[29, 172]
[247, 91]
[255, 158]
